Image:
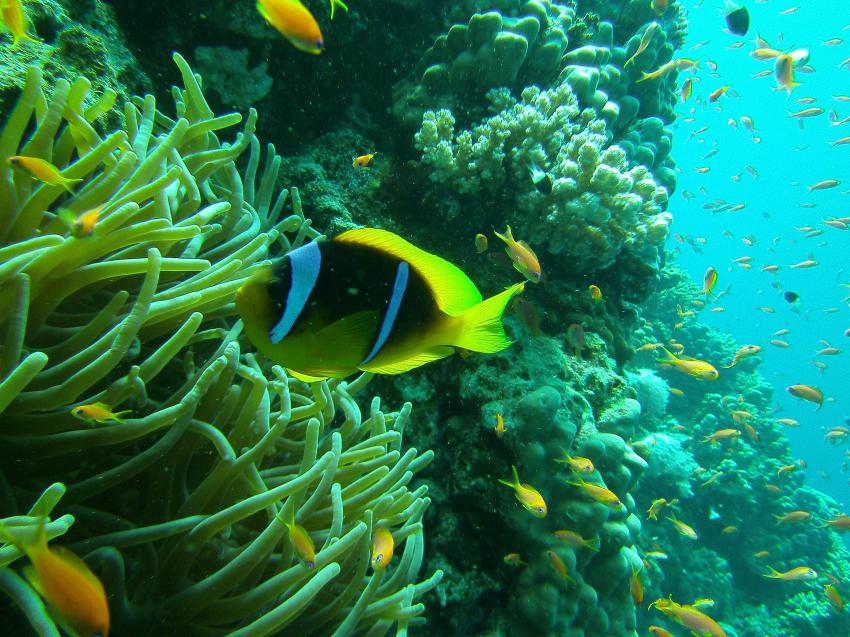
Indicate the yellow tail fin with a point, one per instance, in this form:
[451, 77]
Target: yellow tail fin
[481, 329]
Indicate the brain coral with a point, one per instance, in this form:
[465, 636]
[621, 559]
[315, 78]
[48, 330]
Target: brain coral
[599, 206]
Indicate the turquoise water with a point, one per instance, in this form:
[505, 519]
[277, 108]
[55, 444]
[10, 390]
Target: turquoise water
[792, 154]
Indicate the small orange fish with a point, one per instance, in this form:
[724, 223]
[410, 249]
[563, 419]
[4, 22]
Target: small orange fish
[636, 587]
[513, 559]
[81, 226]
[657, 631]
[698, 369]
[74, 594]
[687, 89]
[363, 161]
[834, 597]
[595, 293]
[301, 541]
[657, 505]
[559, 567]
[481, 243]
[659, 6]
[718, 93]
[42, 170]
[600, 493]
[743, 353]
[761, 554]
[98, 413]
[840, 522]
[522, 256]
[645, 39]
[785, 469]
[793, 516]
[500, 426]
[528, 496]
[382, 548]
[576, 541]
[294, 22]
[727, 530]
[709, 281]
[722, 434]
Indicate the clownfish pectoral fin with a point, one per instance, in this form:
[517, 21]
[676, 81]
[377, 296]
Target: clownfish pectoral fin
[399, 367]
[304, 378]
[481, 327]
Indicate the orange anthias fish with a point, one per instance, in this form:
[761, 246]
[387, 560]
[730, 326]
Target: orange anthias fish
[659, 6]
[743, 353]
[363, 161]
[382, 548]
[718, 93]
[301, 541]
[559, 567]
[657, 631]
[527, 496]
[806, 392]
[74, 594]
[294, 22]
[499, 429]
[98, 413]
[840, 522]
[81, 226]
[793, 516]
[783, 72]
[595, 293]
[799, 574]
[576, 541]
[513, 559]
[658, 504]
[722, 434]
[522, 256]
[687, 89]
[42, 170]
[834, 597]
[16, 20]
[690, 617]
[636, 587]
[692, 367]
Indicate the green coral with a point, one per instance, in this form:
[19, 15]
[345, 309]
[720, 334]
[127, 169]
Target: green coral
[180, 509]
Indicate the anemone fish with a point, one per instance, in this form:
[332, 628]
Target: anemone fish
[737, 18]
[367, 300]
[294, 22]
[74, 595]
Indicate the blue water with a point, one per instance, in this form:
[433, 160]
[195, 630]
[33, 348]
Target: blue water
[788, 159]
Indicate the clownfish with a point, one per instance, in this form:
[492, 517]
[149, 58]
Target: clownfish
[367, 300]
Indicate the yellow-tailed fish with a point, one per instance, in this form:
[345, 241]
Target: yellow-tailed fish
[636, 587]
[577, 464]
[599, 493]
[301, 541]
[42, 170]
[793, 516]
[709, 281]
[722, 434]
[575, 540]
[657, 631]
[690, 366]
[73, 593]
[840, 522]
[743, 353]
[834, 597]
[522, 256]
[658, 504]
[645, 39]
[367, 300]
[294, 22]
[595, 293]
[783, 72]
[799, 574]
[98, 413]
[527, 496]
[15, 18]
[690, 617]
[684, 529]
[382, 548]
[513, 559]
[499, 429]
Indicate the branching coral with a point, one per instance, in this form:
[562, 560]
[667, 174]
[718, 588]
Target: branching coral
[598, 207]
[181, 508]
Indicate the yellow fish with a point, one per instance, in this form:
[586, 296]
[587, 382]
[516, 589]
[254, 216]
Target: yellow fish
[657, 505]
[81, 226]
[98, 412]
[683, 529]
[294, 22]
[382, 548]
[42, 170]
[16, 21]
[690, 617]
[576, 541]
[698, 369]
[801, 573]
[301, 541]
[522, 256]
[363, 161]
[745, 352]
[528, 496]
[577, 464]
[597, 492]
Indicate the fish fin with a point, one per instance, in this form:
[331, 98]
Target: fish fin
[453, 291]
[481, 327]
[525, 245]
[399, 367]
[67, 183]
[354, 331]
[508, 237]
[263, 12]
[79, 566]
[304, 378]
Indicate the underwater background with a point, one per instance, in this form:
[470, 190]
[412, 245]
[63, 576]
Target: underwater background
[632, 464]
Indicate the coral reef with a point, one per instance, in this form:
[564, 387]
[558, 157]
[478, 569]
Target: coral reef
[181, 508]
